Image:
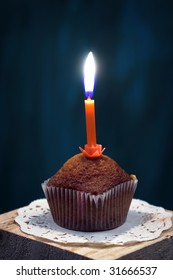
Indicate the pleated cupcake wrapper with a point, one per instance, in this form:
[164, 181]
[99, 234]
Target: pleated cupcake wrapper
[77, 210]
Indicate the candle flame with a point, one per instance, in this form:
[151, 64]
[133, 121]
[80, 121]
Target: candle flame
[89, 75]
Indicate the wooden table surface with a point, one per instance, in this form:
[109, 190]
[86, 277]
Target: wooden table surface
[14, 244]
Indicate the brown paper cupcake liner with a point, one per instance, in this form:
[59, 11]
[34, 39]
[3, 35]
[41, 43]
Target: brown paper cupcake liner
[77, 210]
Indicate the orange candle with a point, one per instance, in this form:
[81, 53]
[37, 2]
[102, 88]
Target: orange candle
[92, 149]
[90, 122]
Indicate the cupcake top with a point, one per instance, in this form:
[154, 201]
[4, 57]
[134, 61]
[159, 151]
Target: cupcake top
[89, 175]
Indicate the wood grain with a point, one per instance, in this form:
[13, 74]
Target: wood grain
[14, 244]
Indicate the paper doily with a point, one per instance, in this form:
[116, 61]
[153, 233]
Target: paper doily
[144, 222]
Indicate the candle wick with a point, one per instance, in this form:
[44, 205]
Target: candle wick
[89, 96]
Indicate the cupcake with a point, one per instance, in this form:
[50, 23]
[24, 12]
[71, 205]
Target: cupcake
[89, 194]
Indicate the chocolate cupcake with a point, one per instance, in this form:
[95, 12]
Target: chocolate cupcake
[90, 194]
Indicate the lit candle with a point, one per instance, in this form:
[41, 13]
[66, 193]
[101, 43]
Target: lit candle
[89, 76]
[92, 149]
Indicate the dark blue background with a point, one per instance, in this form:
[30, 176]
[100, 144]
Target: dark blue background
[43, 45]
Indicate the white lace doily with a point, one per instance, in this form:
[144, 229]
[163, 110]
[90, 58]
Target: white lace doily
[144, 222]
